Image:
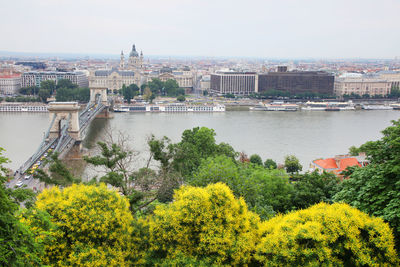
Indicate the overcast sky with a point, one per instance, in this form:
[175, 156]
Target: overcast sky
[253, 28]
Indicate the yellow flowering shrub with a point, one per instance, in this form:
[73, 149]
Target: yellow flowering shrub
[205, 223]
[326, 235]
[93, 226]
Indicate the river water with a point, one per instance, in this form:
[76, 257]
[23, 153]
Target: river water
[306, 134]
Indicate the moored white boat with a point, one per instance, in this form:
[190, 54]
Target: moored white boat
[329, 106]
[376, 107]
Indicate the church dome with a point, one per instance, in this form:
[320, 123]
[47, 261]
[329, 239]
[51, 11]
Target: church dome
[134, 53]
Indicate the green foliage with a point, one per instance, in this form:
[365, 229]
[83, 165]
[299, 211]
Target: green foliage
[197, 144]
[182, 260]
[256, 159]
[129, 92]
[44, 94]
[22, 99]
[48, 85]
[112, 157]
[354, 151]
[326, 235]
[65, 83]
[270, 164]
[181, 98]
[73, 94]
[205, 93]
[313, 188]
[148, 95]
[205, 223]
[265, 191]
[229, 96]
[185, 157]
[292, 164]
[33, 90]
[59, 173]
[171, 88]
[375, 188]
[394, 92]
[18, 247]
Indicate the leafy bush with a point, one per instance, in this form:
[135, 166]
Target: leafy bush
[327, 235]
[93, 226]
[205, 223]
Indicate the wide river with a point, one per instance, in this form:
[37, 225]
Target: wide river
[306, 134]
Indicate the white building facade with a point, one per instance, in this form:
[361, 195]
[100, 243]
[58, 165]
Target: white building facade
[10, 83]
[238, 83]
[34, 78]
[361, 86]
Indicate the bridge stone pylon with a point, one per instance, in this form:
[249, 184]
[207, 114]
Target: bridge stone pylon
[64, 111]
[102, 91]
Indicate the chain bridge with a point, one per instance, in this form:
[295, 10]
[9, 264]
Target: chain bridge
[68, 127]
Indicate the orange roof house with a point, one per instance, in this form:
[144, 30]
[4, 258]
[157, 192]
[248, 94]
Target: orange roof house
[337, 164]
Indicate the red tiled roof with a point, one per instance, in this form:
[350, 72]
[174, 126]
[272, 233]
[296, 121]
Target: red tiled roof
[14, 75]
[347, 162]
[329, 163]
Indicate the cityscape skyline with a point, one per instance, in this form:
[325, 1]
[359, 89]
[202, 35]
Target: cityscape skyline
[257, 29]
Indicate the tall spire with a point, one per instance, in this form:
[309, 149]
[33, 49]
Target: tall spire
[122, 61]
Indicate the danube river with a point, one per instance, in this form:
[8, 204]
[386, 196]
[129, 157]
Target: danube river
[306, 134]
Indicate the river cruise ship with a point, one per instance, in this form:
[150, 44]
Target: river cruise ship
[177, 107]
[329, 106]
[18, 107]
[275, 106]
[376, 107]
[395, 106]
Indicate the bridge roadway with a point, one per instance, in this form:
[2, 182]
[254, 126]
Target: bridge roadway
[62, 144]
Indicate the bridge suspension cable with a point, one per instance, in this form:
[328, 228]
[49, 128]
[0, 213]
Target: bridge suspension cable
[64, 133]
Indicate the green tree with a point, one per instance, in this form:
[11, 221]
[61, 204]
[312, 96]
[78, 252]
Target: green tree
[116, 160]
[48, 85]
[292, 164]
[65, 83]
[44, 94]
[326, 235]
[394, 92]
[127, 93]
[73, 94]
[256, 159]
[171, 87]
[313, 188]
[270, 164]
[33, 90]
[181, 98]
[375, 188]
[266, 191]
[155, 86]
[354, 151]
[147, 94]
[59, 173]
[196, 144]
[18, 247]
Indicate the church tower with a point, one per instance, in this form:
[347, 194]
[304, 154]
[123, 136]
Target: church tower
[133, 58]
[141, 59]
[122, 61]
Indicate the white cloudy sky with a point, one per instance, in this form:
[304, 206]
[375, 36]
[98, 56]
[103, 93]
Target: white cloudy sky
[261, 28]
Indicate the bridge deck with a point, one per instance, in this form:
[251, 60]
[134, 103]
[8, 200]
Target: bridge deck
[62, 144]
